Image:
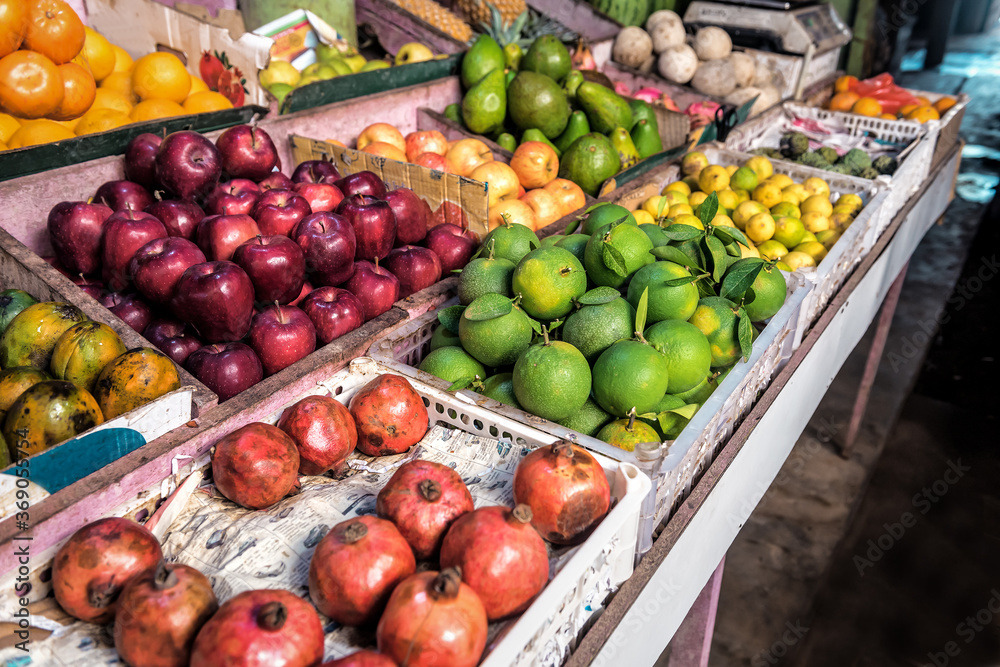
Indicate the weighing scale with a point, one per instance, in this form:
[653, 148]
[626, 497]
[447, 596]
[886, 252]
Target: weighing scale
[782, 26]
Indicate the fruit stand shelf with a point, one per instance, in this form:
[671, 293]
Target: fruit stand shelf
[651, 606]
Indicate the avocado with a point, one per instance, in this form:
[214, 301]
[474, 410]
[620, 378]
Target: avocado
[536, 135]
[485, 105]
[642, 110]
[549, 56]
[535, 100]
[484, 57]
[453, 112]
[572, 84]
[589, 161]
[507, 142]
[646, 139]
[605, 110]
[622, 141]
[576, 128]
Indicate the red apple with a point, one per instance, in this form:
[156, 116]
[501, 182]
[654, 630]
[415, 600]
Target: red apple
[129, 308]
[276, 181]
[466, 154]
[329, 243]
[374, 225]
[278, 211]
[333, 311]
[120, 195]
[124, 233]
[188, 164]
[535, 163]
[362, 183]
[89, 287]
[306, 289]
[449, 212]
[502, 180]
[175, 339]
[219, 235]
[216, 298]
[430, 141]
[381, 133]
[227, 368]
[75, 231]
[433, 161]
[236, 196]
[140, 159]
[281, 335]
[316, 171]
[179, 216]
[276, 266]
[415, 267]
[375, 286]
[157, 266]
[453, 245]
[247, 152]
[410, 212]
[319, 196]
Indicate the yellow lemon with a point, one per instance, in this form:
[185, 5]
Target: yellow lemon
[794, 194]
[760, 228]
[677, 186]
[697, 198]
[675, 197]
[652, 206]
[761, 166]
[121, 83]
[197, 86]
[206, 100]
[767, 194]
[815, 222]
[99, 54]
[742, 196]
[840, 221]
[690, 220]
[745, 211]
[816, 186]
[155, 109]
[850, 200]
[100, 120]
[713, 178]
[8, 126]
[643, 218]
[772, 250]
[679, 209]
[42, 131]
[123, 61]
[814, 249]
[828, 238]
[728, 199]
[722, 221]
[796, 260]
[816, 204]
[109, 99]
[781, 180]
[693, 162]
[731, 169]
[784, 208]
[748, 251]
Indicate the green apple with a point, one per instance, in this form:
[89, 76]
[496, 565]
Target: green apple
[320, 71]
[355, 62]
[280, 91]
[413, 52]
[325, 52]
[279, 71]
[340, 67]
[309, 78]
[374, 65]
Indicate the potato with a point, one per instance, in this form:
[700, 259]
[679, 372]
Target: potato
[744, 67]
[663, 16]
[712, 43]
[715, 78]
[666, 34]
[632, 47]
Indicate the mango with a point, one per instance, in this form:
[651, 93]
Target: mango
[12, 302]
[32, 335]
[83, 351]
[47, 414]
[14, 382]
[133, 379]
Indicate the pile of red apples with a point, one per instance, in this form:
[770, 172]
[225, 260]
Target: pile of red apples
[237, 271]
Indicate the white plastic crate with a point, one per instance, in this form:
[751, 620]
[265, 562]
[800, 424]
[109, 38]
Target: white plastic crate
[543, 635]
[790, 70]
[405, 348]
[914, 160]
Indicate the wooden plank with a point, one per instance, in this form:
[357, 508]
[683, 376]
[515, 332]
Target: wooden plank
[429, 119]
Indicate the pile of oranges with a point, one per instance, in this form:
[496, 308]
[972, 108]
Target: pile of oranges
[60, 79]
[845, 99]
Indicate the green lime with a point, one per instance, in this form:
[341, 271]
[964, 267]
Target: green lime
[550, 241]
[743, 178]
[493, 331]
[627, 433]
[511, 242]
[548, 279]
[575, 243]
[605, 214]
[500, 387]
[612, 255]
[769, 291]
[665, 303]
[552, 380]
[593, 329]
[483, 276]
[716, 318]
[588, 420]
[442, 337]
[627, 375]
[686, 349]
[452, 364]
[701, 392]
[674, 422]
[785, 209]
[788, 231]
[655, 233]
[771, 249]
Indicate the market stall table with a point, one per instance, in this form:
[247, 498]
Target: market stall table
[674, 591]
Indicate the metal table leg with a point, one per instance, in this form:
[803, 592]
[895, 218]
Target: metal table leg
[693, 641]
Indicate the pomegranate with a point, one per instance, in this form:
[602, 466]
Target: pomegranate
[160, 613]
[501, 557]
[94, 565]
[566, 489]
[423, 498]
[261, 629]
[362, 659]
[256, 465]
[390, 415]
[433, 619]
[356, 566]
[323, 430]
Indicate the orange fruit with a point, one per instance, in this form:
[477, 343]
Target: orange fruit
[206, 100]
[907, 108]
[842, 101]
[30, 85]
[161, 76]
[36, 132]
[13, 25]
[123, 61]
[924, 102]
[109, 99]
[3, 146]
[945, 103]
[78, 92]
[8, 126]
[54, 30]
[155, 109]
[100, 120]
[923, 114]
[844, 83]
[120, 83]
[887, 116]
[99, 54]
[867, 106]
[197, 86]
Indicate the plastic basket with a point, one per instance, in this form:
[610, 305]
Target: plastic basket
[914, 160]
[546, 632]
[405, 348]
